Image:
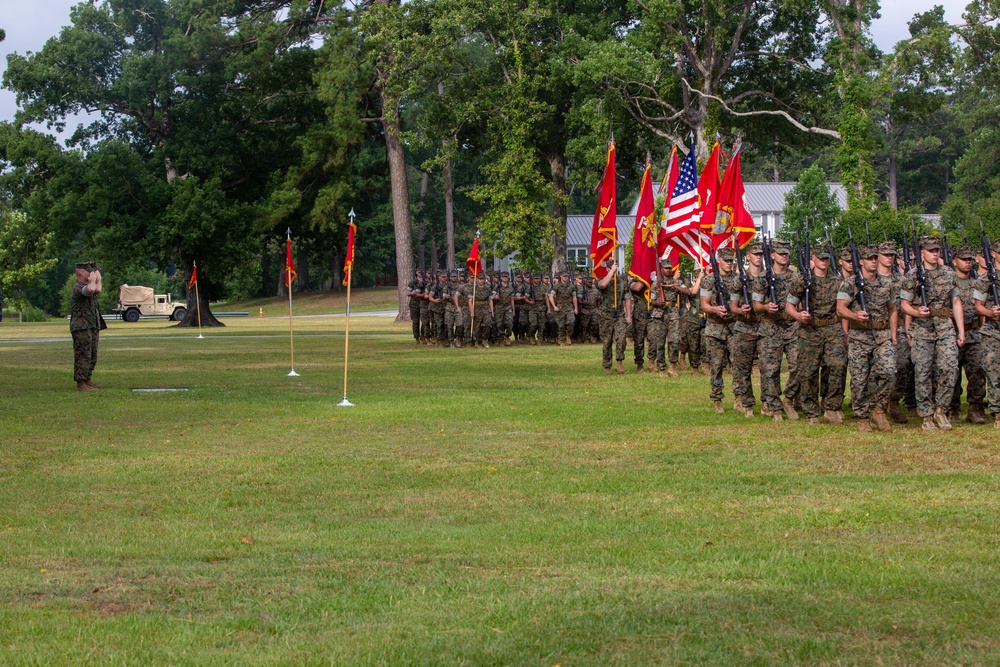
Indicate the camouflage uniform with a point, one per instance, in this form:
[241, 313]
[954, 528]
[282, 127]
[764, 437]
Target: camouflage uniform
[415, 288]
[438, 291]
[562, 294]
[820, 344]
[520, 328]
[536, 312]
[451, 313]
[870, 355]
[672, 316]
[970, 355]
[933, 344]
[483, 320]
[549, 325]
[692, 327]
[589, 329]
[780, 339]
[990, 336]
[656, 326]
[746, 343]
[718, 335]
[612, 320]
[580, 290]
[502, 310]
[464, 294]
[425, 309]
[642, 313]
[85, 324]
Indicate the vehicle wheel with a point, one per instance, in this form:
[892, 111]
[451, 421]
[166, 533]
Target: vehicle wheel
[179, 314]
[131, 315]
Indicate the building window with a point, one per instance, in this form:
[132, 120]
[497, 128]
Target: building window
[577, 257]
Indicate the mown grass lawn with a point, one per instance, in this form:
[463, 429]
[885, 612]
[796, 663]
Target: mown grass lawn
[481, 507]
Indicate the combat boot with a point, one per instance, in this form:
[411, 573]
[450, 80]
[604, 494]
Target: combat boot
[814, 421]
[975, 415]
[562, 344]
[832, 417]
[534, 341]
[941, 419]
[83, 386]
[929, 424]
[881, 423]
[638, 368]
[683, 364]
[90, 383]
[996, 420]
[607, 370]
[663, 374]
[786, 403]
[569, 341]
[765, 411]
[776, 417]
[672, 370]
[698, 370]
[486, 344]
[895, 414]
[864, 426]
[718, 408]
[618, 368]
[954, 415]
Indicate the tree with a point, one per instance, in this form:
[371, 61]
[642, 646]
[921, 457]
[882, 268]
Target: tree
[25, 256]
[810, 203]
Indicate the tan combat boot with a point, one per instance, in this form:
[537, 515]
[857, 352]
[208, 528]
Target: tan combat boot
[672, 370]
[975, 415]
[929, 424]
[718, 408]
[881, 423]
[864, 426]
[941, 419]
[954, 415]
[814, 421]
[765, 411]
[486, 344]
[832, 417]
[607, 371]
[895, 414]
[90, 383]
[776, 417]
[789, 408]
[83, 386]
[618, 368]
[639, 369]
[996, 420]
[569, 341]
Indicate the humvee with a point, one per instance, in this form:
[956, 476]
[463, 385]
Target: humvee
[135, 300]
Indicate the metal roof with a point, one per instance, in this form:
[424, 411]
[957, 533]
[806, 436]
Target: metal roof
[578, 228]
[766, 197]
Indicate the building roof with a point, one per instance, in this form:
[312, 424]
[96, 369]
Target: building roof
[766, 197]
[579, 227]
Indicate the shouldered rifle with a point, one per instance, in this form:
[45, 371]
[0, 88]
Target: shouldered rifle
[895, 264]
[991, 269]
[906, 251]
[918, 263]
[720, 288]
[859, 279]
[946, 255]
[744, 278]
[807, 274]
[769, 270]
[868, 234]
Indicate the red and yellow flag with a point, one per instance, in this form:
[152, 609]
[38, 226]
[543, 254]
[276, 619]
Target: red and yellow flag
[644, 235]
[349, 259]
[473, 264]
[708, 195]
[194, 276]
[289, 266]
[733, 217]
[604, 235]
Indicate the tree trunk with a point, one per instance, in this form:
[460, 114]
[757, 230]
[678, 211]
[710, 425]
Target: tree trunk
[422, 225]
[302, 274]
[196, 299]
[558, 166]
[449, 213]
[282, 288]
[338, 277]
[893, 199]
[400, 210]
[434, 254]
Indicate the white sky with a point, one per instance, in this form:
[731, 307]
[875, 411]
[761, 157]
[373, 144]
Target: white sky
[30, 23]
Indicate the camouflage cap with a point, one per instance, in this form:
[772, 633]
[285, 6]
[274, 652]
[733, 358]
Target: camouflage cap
[756, 248]
[665, 262]
[820, 252]
[844, 254]
[868, 251]
[781, 247]
[725, 254]
[87, 266]
[887, 248]
[564, 274]
[965, 252]
[995, 246]
[930, 243]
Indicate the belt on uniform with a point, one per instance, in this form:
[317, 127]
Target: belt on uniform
[940, 312]
[776, 316]
[973, 325]
[715, 319]
[827, 321]
[868, 326]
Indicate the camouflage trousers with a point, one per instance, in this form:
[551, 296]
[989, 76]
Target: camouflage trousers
[84, 353]
[970, 359]
[672, 322]
[904, 370]
[656, 335]
[437, 324]
[991, 368]
[425, 321]
[821, 348]
[522, 321]
[536, 323]
[452, 319]
[551, 327]
[505, 320]
[778, 342]
[935, 369]
[871, 360]
[692, 340]
[589, 328]
[565, 319]
[415, 320]
[640, 333]
[613, 330]
[466, 323]
[718, 354]
[483, 324]
[743, 349]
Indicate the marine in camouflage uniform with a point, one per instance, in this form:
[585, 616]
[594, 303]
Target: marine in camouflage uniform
[426, 334]
[537, 305]
[970, 355]
[437, 298]
[565, 306]
[642, 313]
[415, 290]
[614, 315]
[550, 327]
[904, 364]
[580, 291]
[870, 354]
[518, 327]
[451, 312]
[820, 341]
[589, 326]
[503, 309]
[482, 307]
[718, 317]
[933, 340]
[656, 327]
[85, 324]
[988, 307]
[780, 333]
[746, 343]
[692, 327]
[464, 295]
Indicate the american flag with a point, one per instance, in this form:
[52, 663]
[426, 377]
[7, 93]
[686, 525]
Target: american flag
[683, 214]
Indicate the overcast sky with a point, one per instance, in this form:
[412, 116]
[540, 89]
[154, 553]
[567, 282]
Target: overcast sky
[30, 23]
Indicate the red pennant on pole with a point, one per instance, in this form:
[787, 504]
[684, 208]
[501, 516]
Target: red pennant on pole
[473, 264]
[289, 266]
[604, 235]
[644, 234]
[194, 276]
[349, 259]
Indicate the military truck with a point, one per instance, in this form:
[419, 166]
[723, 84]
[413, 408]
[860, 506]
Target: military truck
[135, 300]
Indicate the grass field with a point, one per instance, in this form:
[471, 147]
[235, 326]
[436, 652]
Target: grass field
[479, 507]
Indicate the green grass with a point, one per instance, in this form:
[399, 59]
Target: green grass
[484, 507]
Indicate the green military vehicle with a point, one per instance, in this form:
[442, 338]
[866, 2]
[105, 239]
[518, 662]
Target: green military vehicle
[135, 301]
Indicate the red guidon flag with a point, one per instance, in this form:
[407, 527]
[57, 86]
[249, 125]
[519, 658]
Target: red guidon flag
[604, 235]
[644, 235]
[194, 275]
[289, 266]
[473, 264]
[708, 192]
[733, 218]
[349, 259]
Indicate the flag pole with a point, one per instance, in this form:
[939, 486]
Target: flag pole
[288, 282]
[197, 299]
[347, 324]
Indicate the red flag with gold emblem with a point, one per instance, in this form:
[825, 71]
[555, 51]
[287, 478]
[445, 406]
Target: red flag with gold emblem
[289, 265]
[604, 235]
[644, 234]
[733, 217]
[474, 264]
[349, 259]
[194, 275]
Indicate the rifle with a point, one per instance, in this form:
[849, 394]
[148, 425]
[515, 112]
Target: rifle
[769, 270]
[720, 288]
[895, 265]
[868, 234]
[991, 269]
[906, 251]
[744, 278]
[946, 255]
[859, 280]
[918, 263]
[807, 276]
